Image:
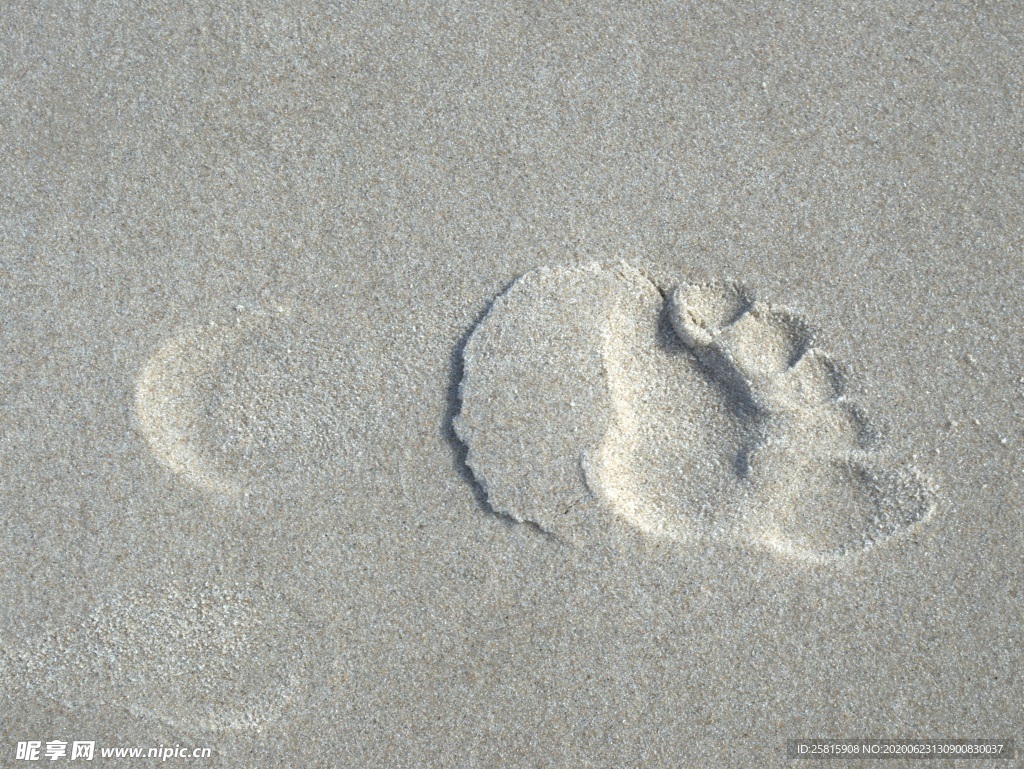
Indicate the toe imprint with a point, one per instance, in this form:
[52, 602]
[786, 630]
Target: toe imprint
[807, 491]
[700, 312]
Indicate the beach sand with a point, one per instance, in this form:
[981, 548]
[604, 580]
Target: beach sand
[501, 385]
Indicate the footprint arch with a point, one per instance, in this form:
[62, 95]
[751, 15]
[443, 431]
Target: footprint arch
[576, 407]
[593, 393]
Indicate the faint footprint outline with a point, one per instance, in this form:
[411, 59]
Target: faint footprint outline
[165, 407]
[221, 424]
[135, 631]
[266, 378]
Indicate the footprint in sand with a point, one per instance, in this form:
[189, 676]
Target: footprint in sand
[591, 394]
[272, 402]
[199, 653]
[257, 400]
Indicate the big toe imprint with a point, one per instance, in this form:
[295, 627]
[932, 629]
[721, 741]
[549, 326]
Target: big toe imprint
[586, 393]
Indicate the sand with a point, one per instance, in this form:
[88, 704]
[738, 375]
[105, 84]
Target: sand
[499, 385]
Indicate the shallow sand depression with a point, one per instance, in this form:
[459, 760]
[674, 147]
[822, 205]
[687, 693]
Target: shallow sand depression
[258, 399]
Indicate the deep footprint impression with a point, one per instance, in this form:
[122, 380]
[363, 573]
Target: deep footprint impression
[689, 413]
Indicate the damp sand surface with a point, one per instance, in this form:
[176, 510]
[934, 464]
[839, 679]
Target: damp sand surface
[509, 386]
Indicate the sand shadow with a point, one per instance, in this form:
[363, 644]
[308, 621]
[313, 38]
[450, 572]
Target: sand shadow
[453, 405]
